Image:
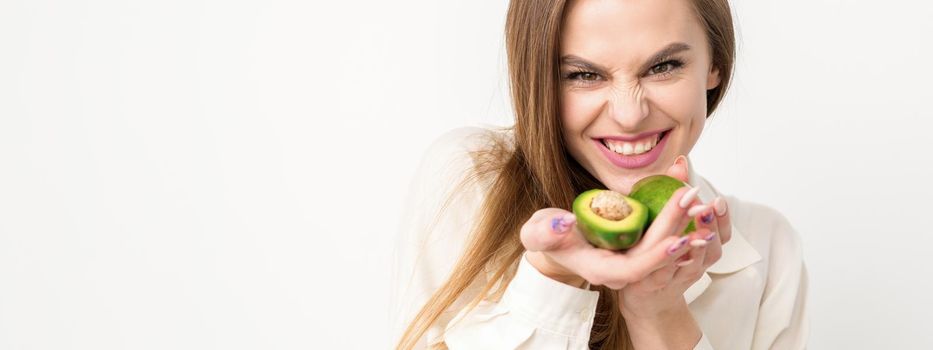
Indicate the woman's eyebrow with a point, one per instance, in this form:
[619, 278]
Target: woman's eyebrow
[663, 53]
[582, 63]
[668, 50]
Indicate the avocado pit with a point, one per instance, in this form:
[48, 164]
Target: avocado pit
[611, 205]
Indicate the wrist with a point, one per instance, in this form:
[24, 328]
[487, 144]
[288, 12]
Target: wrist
[554, 271]
[647, 313]
[674, 328]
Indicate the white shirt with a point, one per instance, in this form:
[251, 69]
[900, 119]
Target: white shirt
[754, 297]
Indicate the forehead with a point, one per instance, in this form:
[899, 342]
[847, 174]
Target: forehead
[626, 31]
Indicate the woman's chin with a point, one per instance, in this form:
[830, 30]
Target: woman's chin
[622, 185]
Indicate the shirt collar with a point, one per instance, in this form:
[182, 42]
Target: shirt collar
[736, 254]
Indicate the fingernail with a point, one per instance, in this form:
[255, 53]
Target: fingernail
[697, 209]
[719, 205]
[698, 243]
[688, 197]
[710, 236]
[681, 160]
[707, 219]
[685, 263]
[570, 219]
[562, 223]
[557, 225]
[677, 245]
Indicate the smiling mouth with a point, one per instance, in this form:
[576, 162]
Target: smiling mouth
[634, 148]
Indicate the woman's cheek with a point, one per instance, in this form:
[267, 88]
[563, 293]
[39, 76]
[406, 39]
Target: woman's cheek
[678, 100]
[579, 109]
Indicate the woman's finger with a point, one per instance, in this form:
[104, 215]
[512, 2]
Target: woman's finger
[614, 269]
[667, 252]
[713, 250]
[691, 270]
[707, 220]
[679, 170]
[548, 229]
[661, 277]
[723, 219]
[672, 216]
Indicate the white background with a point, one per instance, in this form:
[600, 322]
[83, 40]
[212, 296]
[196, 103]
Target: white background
[184, 174]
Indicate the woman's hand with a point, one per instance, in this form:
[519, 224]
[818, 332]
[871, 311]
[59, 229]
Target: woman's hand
[662, 292]
[654, 308]
[559, 251]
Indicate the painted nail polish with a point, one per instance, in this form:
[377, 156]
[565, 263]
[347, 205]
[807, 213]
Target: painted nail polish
[563, 223]
[707, 219]
[688, 197]
[719, 205]
[559, 225]
[698, 243]
[677, 245]
[710, 236]
[556, 224]
[697, 209]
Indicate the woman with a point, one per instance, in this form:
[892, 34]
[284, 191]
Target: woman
[605, 93]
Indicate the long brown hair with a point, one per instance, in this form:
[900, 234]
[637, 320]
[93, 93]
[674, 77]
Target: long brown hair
[536, 171]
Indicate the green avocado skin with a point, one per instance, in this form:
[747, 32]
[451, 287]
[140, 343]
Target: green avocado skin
[600, 232]
[654, 191]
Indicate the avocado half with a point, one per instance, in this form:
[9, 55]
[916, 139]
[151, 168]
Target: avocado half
[654, 191]
[605, 233]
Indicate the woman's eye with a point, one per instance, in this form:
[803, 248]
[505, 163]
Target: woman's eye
[665, 67]
[661, 68]
[583, 76]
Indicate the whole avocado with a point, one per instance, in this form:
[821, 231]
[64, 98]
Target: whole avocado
[654, 191]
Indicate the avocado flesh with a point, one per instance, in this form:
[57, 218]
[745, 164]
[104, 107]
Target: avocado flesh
[605, 233]
[654, 191]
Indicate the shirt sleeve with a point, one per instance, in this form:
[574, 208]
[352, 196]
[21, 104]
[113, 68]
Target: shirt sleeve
[535, 312]
[782, 318]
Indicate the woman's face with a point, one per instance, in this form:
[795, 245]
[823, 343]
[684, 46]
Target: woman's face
[631, 71]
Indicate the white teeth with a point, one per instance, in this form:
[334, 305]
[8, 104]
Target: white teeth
[629, 148]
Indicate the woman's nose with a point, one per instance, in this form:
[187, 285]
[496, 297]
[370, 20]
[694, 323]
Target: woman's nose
[629, 107]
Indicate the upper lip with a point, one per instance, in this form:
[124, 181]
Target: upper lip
[631, 138]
